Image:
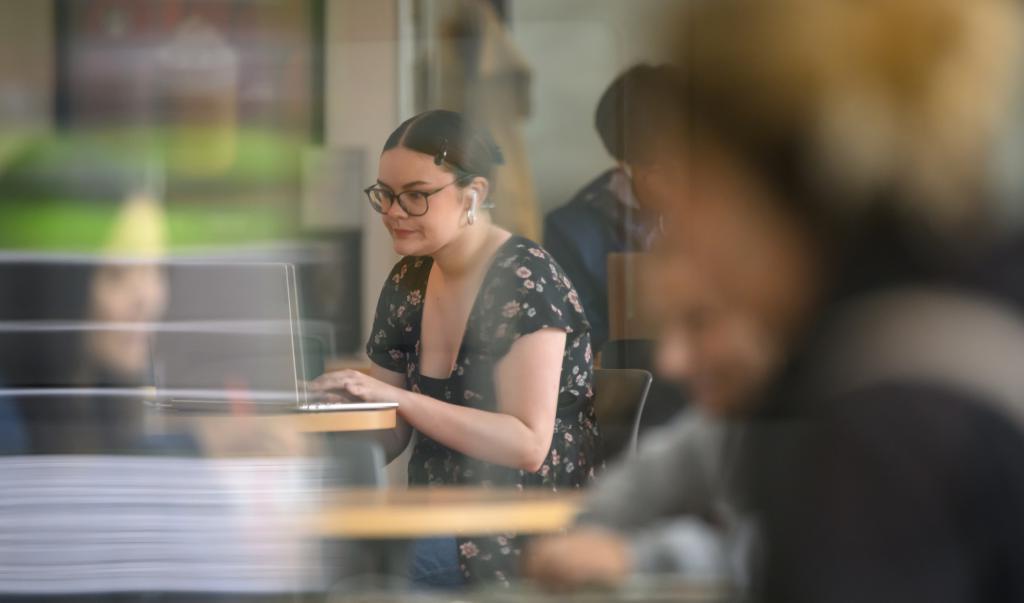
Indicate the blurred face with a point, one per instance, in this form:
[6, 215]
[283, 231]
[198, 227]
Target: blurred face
[719, 353]
[402, 170]
[756, 257]
[125, 293]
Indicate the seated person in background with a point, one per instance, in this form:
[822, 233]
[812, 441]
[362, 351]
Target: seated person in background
[613, 212]
[110, 302]
[670, 509]
[480, 338]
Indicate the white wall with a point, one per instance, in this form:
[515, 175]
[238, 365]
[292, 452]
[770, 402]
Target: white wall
[365, 96]
[361, 110]
[575, 48]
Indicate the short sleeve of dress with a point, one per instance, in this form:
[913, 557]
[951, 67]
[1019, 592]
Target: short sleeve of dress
[388, 345]
[530, 292]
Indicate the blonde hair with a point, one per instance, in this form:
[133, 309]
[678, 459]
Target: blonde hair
[901, 99]
[139, 231]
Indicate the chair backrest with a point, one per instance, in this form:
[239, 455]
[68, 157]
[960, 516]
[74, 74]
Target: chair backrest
[620, 395]
[665, 399]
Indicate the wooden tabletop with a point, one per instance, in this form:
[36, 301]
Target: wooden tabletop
[269, 435]
[349, 420]
[303, 422]
[421, 512]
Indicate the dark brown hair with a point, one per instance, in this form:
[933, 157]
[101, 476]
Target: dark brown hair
[639, 108]
[456, 144]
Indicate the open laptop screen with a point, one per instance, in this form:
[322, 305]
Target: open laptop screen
[222, 326]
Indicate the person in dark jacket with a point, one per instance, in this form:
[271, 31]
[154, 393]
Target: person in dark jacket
[612, 213]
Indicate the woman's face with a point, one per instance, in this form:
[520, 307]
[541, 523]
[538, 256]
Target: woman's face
[125, 293]
[401, 170]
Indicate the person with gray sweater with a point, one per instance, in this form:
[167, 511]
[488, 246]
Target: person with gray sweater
[671, 507]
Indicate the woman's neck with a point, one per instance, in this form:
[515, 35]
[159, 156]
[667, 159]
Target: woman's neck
[468, 252]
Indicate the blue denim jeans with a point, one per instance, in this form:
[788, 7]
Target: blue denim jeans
[434, 563]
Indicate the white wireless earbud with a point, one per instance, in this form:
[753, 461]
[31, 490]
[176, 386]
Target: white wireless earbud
[471, 212]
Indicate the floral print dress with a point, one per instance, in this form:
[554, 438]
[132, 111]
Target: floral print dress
[523, 291]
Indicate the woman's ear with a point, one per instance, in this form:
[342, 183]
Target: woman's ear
[480, 188]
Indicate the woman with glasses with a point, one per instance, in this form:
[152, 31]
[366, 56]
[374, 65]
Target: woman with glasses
[478, 335]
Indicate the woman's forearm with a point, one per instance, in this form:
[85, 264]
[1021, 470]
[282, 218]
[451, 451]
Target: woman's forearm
[493, 437]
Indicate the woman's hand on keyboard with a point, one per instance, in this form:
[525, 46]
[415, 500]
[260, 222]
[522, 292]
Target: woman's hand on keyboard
[353, 386]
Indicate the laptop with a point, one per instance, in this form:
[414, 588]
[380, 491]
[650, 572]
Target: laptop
[260, 366]
[232, 332]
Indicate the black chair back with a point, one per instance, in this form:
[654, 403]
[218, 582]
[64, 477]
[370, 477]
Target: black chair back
[620, 395]
[665, 399]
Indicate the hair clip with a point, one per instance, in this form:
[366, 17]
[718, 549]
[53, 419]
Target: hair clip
[442, 154]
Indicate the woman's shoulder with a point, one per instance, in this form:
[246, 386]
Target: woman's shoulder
[401, 297]
[519, 251]
[533, 272]
[527, 259]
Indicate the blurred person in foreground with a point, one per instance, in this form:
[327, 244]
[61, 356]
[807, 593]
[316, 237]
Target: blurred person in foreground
[480, 338]
[670, 510]
[613, 212]
[845, 194]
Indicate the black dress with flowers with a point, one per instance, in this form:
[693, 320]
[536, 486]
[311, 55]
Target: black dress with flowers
[523, 291]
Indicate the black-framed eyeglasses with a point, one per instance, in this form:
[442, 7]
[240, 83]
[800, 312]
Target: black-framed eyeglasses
[414, 203]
